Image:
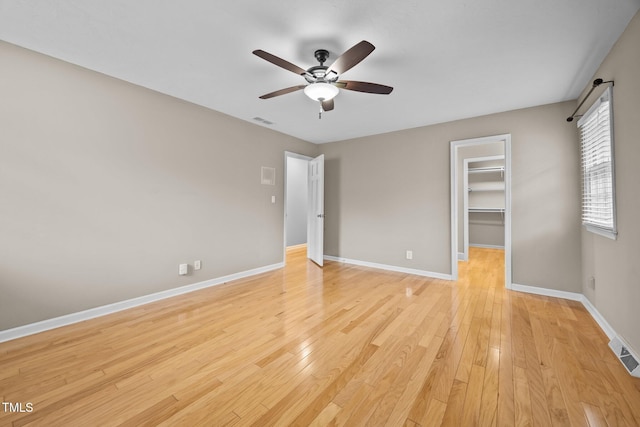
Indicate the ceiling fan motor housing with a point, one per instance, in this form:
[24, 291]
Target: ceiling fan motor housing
[318, 74]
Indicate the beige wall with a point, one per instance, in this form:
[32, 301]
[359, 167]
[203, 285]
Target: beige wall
[614, 264]
[388, 193]
[105, 187]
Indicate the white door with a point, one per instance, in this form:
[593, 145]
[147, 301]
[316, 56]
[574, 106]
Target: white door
[315, 223]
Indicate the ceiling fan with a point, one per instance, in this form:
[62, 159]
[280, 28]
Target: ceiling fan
[323, 82]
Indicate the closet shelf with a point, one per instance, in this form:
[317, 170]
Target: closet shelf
[486, 210]
[487, 169]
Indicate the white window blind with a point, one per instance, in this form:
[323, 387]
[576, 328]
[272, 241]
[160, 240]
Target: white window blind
[598, 183]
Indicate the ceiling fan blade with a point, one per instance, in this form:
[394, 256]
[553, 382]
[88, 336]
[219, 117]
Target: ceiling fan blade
[364, 87]
[327, 105]
[279, 62]
[351, 57]
[282, 91]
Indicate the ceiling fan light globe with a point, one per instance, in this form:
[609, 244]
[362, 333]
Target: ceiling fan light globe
[321, 91]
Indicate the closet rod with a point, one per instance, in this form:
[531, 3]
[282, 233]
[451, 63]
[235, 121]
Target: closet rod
[596, 83]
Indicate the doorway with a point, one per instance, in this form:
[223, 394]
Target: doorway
[304, 205]
[483, 154]
[295, 200]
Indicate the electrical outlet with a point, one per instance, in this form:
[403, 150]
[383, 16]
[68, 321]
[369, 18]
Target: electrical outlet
[409, 254]
[197, 265]
[592, 282]
[183, 269]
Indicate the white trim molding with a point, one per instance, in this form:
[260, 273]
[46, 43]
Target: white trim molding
[573, 296]
[389, 267]
[300, 246]
[479, 245]
[68, 319]
[604, 325]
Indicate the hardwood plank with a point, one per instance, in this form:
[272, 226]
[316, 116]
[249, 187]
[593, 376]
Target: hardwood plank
[412, 395]
[337, 383]
[506, 396]
[325, 416]
[453, 413]
[352, 405]
[566, 372]
[555, 401]
[434, 415]
[390, 396]
[615, 413]
[489, 402]
[471, 410]
[523, 415]
[628, 392]
[468, 353]
[594, 416]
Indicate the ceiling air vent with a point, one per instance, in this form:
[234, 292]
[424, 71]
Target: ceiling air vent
[261, 120]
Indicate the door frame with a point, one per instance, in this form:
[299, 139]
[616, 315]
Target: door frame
[287, 155]
[506, 139]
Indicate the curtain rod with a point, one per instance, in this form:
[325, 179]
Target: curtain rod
[596, 83]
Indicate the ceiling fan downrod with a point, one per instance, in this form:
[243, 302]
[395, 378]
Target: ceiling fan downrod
[321, 56]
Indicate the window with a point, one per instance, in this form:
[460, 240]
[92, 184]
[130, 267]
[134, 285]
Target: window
[598, 183]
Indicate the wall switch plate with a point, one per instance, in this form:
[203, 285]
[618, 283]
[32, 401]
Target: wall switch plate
[183, 269]
[273, 199]
[197, 265]
[409, 254]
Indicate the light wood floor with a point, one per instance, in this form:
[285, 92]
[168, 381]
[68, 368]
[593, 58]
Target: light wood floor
[343, 345]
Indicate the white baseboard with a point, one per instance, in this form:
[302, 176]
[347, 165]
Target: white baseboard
[68, 319]
[462, 256]
[389, 267]
[604, 325]
[546, 292]
[479, 245]
[300, 246]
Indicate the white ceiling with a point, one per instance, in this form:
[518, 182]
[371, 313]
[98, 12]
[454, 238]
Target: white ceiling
[447, 60]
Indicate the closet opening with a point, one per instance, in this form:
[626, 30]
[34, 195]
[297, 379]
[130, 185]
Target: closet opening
[483, 203]
[481, 199]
